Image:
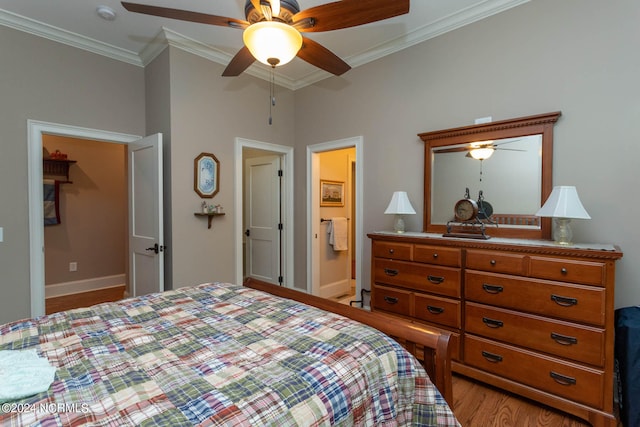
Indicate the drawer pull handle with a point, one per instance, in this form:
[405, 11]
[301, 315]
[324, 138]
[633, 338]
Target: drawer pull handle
[435, 279]
[391, 251]
[492, 289]
[391, 300]
[435, 310]
[390, 272]
[435, 256]
[492, 262]
[564, 301]
[563, 270]
[492, 323]
[491, 357]
[563, 339]
[562, 379]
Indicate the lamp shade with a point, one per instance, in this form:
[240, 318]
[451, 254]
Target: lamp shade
[272, 42]
[563, 202]
[400, 204]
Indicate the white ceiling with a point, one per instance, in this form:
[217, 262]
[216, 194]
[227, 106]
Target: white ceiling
[137, 38]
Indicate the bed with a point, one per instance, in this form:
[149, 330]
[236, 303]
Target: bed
[226, 355]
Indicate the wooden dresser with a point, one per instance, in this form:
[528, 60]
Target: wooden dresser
[527, 316]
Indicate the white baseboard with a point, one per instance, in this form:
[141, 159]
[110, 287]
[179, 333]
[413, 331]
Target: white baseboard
[335, 289]
[87, 285]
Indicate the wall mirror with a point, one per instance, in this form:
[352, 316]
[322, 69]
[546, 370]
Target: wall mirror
[513, 173]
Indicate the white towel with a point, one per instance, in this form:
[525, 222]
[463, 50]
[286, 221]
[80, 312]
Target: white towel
[23, 373]
[338, 229]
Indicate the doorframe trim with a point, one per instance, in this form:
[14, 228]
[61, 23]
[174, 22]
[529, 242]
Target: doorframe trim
[287, 166]
[313, 211]
[35, 130]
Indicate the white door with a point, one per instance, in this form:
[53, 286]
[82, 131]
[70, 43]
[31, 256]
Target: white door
[262, 218]
[146, 249]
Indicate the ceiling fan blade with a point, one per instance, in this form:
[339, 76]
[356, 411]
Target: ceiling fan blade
[185, 15]
[316, 54]
[509, 141]
[451, 150]
[348, 13]
[256, 5]
[239, 63]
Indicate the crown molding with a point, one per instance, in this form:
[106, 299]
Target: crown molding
[40, 29]
[167, 37]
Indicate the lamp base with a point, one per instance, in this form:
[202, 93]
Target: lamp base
[562, 233]
[398, 225]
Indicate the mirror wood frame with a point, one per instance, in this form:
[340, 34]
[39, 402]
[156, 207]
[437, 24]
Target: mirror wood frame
[511, 128]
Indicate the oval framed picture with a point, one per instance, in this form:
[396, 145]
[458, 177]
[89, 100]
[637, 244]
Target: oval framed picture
[206, 175]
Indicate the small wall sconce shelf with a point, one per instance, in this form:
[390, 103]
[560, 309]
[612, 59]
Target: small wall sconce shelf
[57, 167]
[209, 216]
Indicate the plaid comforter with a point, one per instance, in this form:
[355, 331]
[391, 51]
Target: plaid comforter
[222, 355]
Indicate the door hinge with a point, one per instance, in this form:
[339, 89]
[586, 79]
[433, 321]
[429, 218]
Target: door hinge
[280, 279]
[280, 226]
[279, 172]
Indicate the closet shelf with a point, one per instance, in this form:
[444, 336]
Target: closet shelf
[57, 167]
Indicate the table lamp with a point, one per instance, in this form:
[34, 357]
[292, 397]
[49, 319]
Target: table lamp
[399, 205]
[563, 205]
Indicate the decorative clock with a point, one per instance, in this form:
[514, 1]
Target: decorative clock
[468, 218]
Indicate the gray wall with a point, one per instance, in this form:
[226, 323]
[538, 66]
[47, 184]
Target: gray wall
[207, 113]
[579, 57]
[50, 82]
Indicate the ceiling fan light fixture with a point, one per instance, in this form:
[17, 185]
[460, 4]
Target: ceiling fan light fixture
[482, 153]
[272, 43]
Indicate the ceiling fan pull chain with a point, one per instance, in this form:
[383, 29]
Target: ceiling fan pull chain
[272, 97]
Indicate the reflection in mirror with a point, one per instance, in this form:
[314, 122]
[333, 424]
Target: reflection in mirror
[510, 177]
[514, 175]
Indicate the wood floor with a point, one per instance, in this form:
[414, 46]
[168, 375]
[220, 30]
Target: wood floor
[84, 299]
[479, 405]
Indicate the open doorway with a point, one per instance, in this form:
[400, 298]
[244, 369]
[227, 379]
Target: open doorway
[145, 219]
[86, 222]
[329, 270]
[264, 212]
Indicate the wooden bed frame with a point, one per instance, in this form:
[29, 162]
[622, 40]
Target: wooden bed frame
[428, 344]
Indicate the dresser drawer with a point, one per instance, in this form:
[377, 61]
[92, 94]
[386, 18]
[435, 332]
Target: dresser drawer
[562, 300]
[443, 311]
[451, 257]
[498, 262]
[419, 277]
[393, 250]
[574, 382]
[569, 340]
[392, 300]
[585, 272]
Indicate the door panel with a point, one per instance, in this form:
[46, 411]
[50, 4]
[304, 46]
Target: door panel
[146, 250]
[262, 216]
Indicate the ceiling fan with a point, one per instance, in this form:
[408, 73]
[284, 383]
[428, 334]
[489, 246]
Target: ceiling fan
[480, 150]
[284, 20]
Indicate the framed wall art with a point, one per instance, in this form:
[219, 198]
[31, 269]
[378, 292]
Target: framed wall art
[206, 175]
[331, 193]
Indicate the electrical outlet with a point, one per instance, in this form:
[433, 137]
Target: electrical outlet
[73, 266]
